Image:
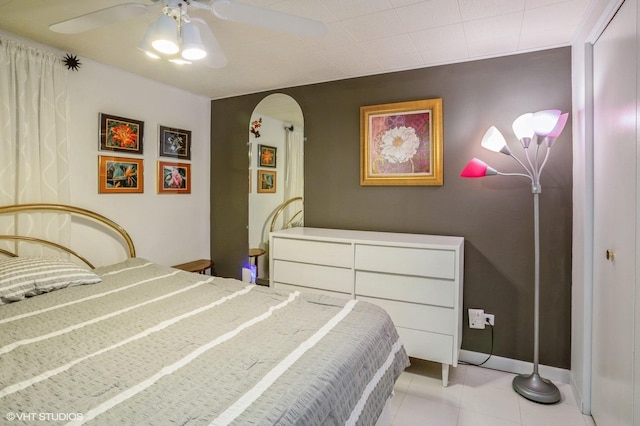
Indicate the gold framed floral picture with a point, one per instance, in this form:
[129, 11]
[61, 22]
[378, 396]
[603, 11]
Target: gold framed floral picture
[121, 134]
[401, 143]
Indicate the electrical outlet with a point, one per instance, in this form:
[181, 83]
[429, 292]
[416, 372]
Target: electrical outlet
[476, 318]
[489, 319]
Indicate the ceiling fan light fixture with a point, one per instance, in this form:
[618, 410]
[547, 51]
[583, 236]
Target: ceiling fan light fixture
[165, 35]
[194, 53]
[165, 46]
[165, 39]
[192, 47]
[145, 43]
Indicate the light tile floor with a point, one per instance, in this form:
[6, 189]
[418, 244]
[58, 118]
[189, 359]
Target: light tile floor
[475, 396]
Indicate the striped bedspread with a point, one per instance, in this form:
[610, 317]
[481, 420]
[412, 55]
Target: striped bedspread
[154, 345]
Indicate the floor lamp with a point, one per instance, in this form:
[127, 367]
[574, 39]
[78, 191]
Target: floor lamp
[537, 131]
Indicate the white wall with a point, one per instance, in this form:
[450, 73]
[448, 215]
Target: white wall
[166, 228]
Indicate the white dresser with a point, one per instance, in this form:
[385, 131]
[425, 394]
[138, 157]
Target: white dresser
[416, 278]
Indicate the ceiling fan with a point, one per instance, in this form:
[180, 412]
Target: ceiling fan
[189, 34]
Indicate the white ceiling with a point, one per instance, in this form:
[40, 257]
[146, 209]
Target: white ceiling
[365, 37]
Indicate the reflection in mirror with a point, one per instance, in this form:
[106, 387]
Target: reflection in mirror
[276, 175]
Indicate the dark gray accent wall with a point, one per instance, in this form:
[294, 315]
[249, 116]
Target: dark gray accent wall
[494, 215]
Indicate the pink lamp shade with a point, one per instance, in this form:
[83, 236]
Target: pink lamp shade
[559, 126]
[477, 168]
[553, 135]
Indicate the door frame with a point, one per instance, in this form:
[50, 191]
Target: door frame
[602, 11]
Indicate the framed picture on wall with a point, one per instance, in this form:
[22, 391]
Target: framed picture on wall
[267, 156]
[120, 175]
[401, 143]
[266, 181]
[121, 134]
[174, 178]
[175, 143]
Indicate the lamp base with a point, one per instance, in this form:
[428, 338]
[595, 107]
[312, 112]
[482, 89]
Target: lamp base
[535, 388]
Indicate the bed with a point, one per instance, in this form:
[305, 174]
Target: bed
[136, 342]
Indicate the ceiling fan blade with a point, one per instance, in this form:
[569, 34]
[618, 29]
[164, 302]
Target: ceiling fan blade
[215, 56]
[231, 10]
[100, 18]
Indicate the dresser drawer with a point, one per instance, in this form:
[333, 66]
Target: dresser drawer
[308, 275]
[430, 346]
[406, 261]
[430, 291]
[318, 252]
[418, 317]
[301, 289]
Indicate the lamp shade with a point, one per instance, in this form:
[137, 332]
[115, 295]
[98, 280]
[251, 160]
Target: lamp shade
[477, 168]
[545, 121]
[523, 128]
[165, 39]
[192, 47]
[559, 125]
[145, 43]
[494, 141]
[553, 135]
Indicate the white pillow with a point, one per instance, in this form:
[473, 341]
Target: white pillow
[22, 277]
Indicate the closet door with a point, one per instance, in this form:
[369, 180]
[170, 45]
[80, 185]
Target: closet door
[615, 139]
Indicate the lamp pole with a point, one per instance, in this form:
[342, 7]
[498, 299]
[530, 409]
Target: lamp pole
[533, 386]
[536, 287]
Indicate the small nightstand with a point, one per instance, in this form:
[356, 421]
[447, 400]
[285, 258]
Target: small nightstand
[200, 266]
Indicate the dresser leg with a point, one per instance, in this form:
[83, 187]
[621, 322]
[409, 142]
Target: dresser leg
[445, 375]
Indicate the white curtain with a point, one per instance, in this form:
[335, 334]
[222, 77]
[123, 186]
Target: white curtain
[294, 175]
[33, 137]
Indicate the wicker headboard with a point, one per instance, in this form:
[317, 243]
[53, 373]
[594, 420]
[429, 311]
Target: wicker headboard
[62, 209]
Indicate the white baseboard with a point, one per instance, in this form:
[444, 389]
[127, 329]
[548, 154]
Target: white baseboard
[509, 365]
[584, 404]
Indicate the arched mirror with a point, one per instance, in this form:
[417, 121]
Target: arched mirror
[276, 174]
